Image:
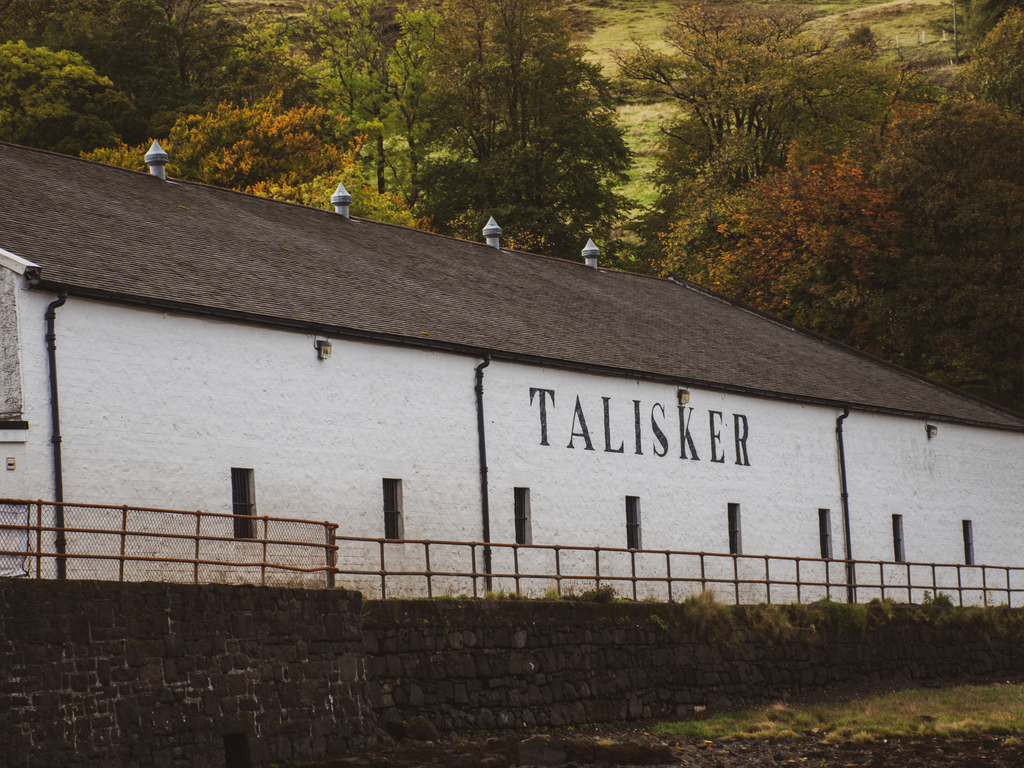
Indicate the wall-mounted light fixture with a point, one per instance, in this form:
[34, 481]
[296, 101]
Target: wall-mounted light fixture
[323, 348]
[932, 430]
[683, 395]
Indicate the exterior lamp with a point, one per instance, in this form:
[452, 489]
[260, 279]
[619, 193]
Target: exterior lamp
[932, 430]
[683, 395]
[323, 348]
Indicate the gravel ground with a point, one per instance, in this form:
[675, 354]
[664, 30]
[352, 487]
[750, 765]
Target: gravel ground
[646, 750]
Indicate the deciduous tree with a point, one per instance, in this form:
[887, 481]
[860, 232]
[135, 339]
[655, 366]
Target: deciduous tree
[957, 311]
[996, 70]
[980, 16]
[813, 243]
[750, 83]
[266, 150]
[168, 56]
[372, 58]
[54, 100]
[521, 128]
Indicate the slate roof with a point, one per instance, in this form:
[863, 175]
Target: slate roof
[128, 236]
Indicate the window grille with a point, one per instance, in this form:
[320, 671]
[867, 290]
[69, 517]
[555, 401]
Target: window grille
[392, 509]
[243, 502]
[735, 535]
[825, 533]
[898, 553]
[633, 539]
[524, 534]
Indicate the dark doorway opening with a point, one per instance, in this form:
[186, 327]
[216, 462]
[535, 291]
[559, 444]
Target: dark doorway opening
[236, 751]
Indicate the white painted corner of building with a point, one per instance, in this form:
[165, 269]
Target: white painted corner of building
[15, 263]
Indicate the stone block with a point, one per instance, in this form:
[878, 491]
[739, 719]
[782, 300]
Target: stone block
[541, 750]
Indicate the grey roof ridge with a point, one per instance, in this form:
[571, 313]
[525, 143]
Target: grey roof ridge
[683, 283]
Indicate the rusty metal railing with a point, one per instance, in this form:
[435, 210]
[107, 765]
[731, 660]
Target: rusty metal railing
[143, 544]
[425, 568]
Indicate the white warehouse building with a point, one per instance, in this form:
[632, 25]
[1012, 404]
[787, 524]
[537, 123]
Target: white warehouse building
[192, 326]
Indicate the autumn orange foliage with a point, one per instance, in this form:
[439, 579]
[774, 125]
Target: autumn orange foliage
[811, 243]
[266, 150]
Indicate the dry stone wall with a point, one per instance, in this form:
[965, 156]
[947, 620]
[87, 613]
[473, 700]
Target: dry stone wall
[170, 675]
[509, 664]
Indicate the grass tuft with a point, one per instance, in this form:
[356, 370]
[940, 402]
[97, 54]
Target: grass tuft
[950, 712]
[703, 613]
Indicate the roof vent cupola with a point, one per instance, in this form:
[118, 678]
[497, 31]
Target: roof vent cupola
[341, 200]
[590, 252]
[156, 159]
[493, 233]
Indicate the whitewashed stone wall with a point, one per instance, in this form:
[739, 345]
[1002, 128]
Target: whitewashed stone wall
[10, 369]
[156, 409]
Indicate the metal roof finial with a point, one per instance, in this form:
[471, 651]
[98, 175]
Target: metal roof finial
[341, 200]
[590, 252]
[493, 233]
[156, 159]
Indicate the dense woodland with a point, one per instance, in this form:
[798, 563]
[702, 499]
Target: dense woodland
[814, 177]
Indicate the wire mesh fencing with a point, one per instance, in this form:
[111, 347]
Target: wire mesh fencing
[46, 540]
[424, 568]
[87, 541]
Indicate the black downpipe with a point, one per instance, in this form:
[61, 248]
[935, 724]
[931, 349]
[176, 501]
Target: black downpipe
[484, 505]
[851, 594]
[58, 472]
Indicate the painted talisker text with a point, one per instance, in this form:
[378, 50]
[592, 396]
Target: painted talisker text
[714, 448]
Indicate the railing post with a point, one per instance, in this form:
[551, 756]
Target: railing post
[332, 554]
[984, 587]
[798, 579]
[558, 571]
[124, 535]
[597, 567]
[1009, 597]
[910, 586]
[426, 559]
[959, 587]
[668, 572]
[39, 539]
[767, 582]
[632, 567]
[515, 566]
[881, 579]
[472, 552]
[736, 576]
[935, 585]
[703, 578]
[384, 573]
[828, 579]
[263, 567]
[195, 562]
[60, 542]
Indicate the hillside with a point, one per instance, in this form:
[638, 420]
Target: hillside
[919, 31]
[608, 25]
